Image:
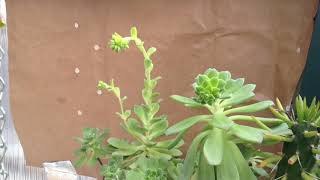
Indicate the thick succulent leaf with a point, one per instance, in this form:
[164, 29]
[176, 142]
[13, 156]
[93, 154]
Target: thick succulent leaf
[151, 51]
[187, 123]
[121, 144]
[134, 32]
[232, 86]
[158, 128]
[141, 112]
[214, 147]
[134, 125]
[220, 120]
[244, 170]
[159, 118]
[251, 108]
[172, 152]
[247, 133]
[158, 155]
[191, 157]
[205, 170]
[225, 75]
[167, 143]
[228, 168]
[243, 94]
[186, 101]
[282, 129]
[124, 152]
[154, 108]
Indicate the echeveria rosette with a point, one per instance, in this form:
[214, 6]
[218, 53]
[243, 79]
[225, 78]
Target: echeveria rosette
[227, 101]
[210, 85]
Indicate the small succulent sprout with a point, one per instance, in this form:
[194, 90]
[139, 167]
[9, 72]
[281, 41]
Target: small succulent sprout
[210, 85]
[118, 43]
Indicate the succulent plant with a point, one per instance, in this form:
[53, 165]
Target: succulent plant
[298, 156]
[211, 85]
[92, 146]
[214, 152]
[143, 123]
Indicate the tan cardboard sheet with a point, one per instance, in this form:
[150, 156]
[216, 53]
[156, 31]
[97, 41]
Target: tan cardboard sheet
[265, 41]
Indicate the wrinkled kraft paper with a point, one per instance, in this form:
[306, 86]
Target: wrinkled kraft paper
[264, 41]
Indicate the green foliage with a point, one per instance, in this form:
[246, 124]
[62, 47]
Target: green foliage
[298, 160]
[113, 170]
[210, 85]
[145, 126]
[118, 43]
[92, 146]
[215, 150]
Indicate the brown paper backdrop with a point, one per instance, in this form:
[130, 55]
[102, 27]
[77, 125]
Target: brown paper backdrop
[264, 41]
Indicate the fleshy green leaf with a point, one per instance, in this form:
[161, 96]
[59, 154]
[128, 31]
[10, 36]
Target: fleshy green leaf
[158, 128]
[158, 155]
[214, 146]
[151, 51]
[186, 101]
[124, 152]
[134, 32]
[167, 143]
[299, 108]
[232, 86]
[243, 94]
[121, 144]
[187, 123]
[282, 129]
[191, 157]
[134, 126]
[141, 112]
[242, 165]
[205, 170]
[220, 120]
[247, 133]
[228, 168]
[250, 108]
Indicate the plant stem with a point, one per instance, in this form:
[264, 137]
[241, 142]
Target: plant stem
[100, 162]
[249, 119]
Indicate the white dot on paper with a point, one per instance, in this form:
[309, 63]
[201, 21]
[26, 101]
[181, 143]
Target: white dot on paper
[77, 70]
[96, 47]
[76, 25]
[79, 113]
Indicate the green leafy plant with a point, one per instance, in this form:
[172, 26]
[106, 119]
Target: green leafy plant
[92, 147]
[214, 153]
[144, 125]
[298, 156]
